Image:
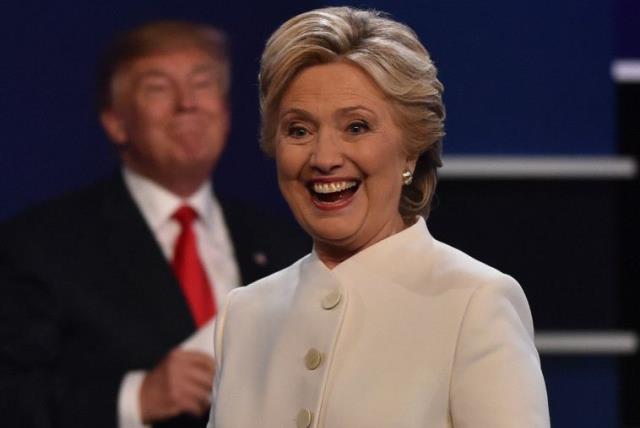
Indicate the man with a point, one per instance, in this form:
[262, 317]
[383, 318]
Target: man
[101, 289]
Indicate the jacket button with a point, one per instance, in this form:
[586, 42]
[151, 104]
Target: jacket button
[313, 359]
[331, 300]
[304, 418]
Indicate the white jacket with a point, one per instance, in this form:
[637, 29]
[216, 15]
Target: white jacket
[407, 333]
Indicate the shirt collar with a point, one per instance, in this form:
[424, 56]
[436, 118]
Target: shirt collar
[158, 204]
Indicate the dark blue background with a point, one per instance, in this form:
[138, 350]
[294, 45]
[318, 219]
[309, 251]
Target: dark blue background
[526, 77]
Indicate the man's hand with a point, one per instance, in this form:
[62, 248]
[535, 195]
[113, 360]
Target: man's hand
[180, 383]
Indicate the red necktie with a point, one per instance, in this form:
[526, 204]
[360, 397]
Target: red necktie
[189, 270]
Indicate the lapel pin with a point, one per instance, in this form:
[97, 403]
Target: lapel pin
[260, 258]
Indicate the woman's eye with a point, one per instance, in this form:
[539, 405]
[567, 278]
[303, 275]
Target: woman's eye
[357, 127]
[297, 131]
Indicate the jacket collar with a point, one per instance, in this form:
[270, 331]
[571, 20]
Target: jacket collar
[392, 260]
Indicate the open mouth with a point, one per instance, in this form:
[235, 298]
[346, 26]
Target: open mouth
[332, 192]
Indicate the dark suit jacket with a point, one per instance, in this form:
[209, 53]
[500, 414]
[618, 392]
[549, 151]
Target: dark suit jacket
[86, 295]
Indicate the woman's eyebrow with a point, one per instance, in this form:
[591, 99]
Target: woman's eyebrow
[294, 111]
[351, 109]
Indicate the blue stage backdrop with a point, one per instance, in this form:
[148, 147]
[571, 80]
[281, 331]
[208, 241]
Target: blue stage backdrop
[521, 78]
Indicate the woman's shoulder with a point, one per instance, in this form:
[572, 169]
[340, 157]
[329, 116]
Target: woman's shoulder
[486, 290]
[457, 268]
[273, 286]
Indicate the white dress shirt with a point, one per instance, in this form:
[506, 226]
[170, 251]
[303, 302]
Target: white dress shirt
[214, 247]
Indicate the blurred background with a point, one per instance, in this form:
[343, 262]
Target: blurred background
[540, 176]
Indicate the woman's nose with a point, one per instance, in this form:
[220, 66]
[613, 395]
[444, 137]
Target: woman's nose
[326, 154]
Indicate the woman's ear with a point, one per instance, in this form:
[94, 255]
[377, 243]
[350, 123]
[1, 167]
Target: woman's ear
[411, 164]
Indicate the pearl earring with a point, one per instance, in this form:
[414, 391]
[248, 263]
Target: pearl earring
[407, 177]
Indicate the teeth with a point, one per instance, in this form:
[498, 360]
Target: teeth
[336, 186]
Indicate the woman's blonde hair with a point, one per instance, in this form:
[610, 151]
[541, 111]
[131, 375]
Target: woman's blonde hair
[391, 54]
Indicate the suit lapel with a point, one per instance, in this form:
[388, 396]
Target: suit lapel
[252, 261]
[137, 255]
[263, 244]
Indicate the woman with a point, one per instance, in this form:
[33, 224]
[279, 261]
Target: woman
[381, 325]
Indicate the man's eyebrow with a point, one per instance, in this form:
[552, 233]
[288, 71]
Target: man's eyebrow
[151, 74]
[203, 68]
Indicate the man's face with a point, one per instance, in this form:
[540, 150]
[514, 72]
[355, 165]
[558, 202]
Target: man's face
[170, 118]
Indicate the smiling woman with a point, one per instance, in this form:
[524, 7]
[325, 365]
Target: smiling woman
[381, 325]
[340, 157]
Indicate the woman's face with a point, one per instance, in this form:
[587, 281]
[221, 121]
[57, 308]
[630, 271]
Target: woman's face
[340, 159]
